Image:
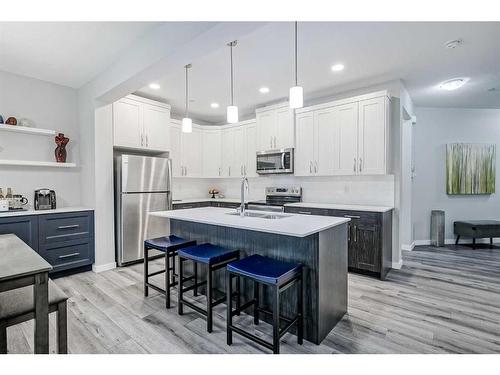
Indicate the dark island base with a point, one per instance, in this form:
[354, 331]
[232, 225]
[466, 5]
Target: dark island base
[324, 255]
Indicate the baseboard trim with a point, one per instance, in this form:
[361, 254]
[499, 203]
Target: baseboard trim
[397, 265]
[409, 247]
[103, 267]
[451, 241]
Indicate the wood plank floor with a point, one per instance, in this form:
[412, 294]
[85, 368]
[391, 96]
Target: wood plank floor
[443, 300]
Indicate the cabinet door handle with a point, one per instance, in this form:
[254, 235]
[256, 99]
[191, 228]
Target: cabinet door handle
[245, 170]
[315, 167]
[147, 141]
[241, 170]
[304, 212]
[142, 139]
[360, 163]
[354, 166]
[229, 171]
[355, 233]
[68, 226]
[68, 255]
[310, 167]
[349, 233]
[271, 142]
[352, 216]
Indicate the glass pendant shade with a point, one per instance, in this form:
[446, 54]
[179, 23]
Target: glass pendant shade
[187, 125]
[232, 114]
[296, 97]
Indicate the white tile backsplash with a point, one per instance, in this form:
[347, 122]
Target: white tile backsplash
[367, 190]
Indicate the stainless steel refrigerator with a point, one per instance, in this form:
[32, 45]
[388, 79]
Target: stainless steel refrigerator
[142, 184]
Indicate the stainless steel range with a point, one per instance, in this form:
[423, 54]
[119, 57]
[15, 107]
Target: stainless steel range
[276, 198]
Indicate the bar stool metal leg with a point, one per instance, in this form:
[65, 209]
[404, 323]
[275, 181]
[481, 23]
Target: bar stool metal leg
[256, 288]
[229, 310]
[146, 271]
[195, 267]
[300, 312]
[276, 319]
[209, 300]
[167, 280]
[180, 284]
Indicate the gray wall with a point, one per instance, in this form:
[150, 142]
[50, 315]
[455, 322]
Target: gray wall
[49, 106]
[434, 129]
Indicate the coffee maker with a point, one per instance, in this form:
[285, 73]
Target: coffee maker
[45, 199]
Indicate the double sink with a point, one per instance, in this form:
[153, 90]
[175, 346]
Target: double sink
[261, 215]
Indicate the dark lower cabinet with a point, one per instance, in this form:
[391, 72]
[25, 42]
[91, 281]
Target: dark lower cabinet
[65, 240]
[369, 238]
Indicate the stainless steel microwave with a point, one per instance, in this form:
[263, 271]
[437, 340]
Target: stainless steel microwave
[275, 161]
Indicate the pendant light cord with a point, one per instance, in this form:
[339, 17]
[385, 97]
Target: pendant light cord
[232, 76]
[187, 67]
[296, 81]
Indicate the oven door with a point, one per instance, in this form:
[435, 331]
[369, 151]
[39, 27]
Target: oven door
[275, 161]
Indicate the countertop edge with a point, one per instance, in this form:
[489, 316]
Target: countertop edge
[61, 210]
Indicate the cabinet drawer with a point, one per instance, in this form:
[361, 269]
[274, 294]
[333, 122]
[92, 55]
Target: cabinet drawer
[67, 255]
[307, 211]
[362, 216]
[64, 227]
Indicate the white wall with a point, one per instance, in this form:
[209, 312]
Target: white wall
[434, 129]
[49, 106]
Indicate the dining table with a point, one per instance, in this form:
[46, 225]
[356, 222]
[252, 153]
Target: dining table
[21, 266]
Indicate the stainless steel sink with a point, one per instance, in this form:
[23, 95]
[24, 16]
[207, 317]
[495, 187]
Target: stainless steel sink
[262, 215]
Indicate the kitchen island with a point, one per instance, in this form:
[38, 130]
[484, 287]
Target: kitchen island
[318, 242]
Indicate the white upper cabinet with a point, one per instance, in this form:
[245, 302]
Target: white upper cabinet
[212, 153]
[346, 119]
[275, 127]
[176, 148]
[127, 123]
[227, 152]
[156, 123]
[192, 153]
[304, 150]
[251, 150]
[348, 137]
[372, 154]
[141, 124]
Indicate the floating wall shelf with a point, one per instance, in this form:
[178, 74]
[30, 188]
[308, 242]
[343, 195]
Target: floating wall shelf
[31, 163]
[27, 130]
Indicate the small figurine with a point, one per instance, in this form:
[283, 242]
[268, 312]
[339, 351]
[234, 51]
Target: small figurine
[11, 121]
[60, 152]
[213, 191]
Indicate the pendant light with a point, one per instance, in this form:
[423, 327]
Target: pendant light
[296, 98]
[187, 123]
[232, 110]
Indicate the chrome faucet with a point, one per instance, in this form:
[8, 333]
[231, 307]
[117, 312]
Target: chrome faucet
[244, 186]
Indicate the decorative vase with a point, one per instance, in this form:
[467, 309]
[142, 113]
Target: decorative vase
[60, 151]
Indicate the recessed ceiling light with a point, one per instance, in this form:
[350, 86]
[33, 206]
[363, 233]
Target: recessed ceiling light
[214, 105]
[451, 44]
[154, 86]
[453, 84]
[337, 67]
[264, 90]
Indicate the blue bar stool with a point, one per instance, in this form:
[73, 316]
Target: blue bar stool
[215, 258]
[168, 245]
[277, 275]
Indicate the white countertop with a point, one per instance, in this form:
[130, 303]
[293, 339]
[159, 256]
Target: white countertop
[44, 212]
[292, 225]
[335, 206]
[199, 200]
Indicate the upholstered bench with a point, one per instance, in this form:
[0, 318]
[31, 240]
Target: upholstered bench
[477, 229]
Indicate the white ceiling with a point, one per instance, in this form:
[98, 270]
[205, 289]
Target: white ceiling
[371, 52]
[66, 53]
